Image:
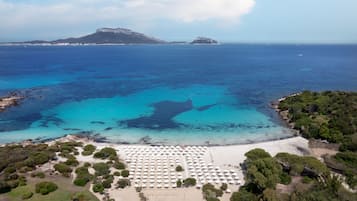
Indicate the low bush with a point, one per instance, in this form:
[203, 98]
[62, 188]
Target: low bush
[98, 188]
[210, 193]
[105, 153]
[83, 176]
[122, 183]
[179, 183]
[45, 188]
[224, 187]
[101, 169]
[88, 150]
[125, 173]
[63, 169]
[179, 168]
[189, 182]
[38, 174]
[119, 165]
[27, 195]
[285, 178]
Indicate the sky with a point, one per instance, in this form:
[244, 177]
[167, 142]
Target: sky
[242, 21]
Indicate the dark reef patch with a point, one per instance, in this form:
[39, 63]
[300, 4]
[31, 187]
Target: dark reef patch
[162, 116]
[205, 107]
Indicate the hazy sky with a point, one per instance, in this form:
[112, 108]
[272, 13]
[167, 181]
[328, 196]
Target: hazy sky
[252, 21]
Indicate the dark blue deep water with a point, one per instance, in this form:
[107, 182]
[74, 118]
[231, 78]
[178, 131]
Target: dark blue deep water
[164, 93]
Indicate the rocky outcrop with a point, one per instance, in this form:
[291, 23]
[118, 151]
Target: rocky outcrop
[9, 100]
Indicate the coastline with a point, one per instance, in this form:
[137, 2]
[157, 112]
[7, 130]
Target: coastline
[283, 114]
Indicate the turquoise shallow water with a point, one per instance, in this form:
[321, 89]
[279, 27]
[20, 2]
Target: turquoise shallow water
[216, 117]
[172, 94]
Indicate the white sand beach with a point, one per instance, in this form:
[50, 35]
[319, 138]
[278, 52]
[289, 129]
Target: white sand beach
[153, 167]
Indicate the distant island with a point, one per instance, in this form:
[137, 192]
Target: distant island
[204, 40]
[115, 36]
[108, 36]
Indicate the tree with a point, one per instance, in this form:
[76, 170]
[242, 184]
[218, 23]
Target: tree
[243, 195]
[264, 173]
[269, 195]
[257, 154]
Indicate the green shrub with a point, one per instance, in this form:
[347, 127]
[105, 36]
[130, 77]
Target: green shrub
[224, 187]
[105, 153]
[257, 154]
[89, 147]
[45, 187]
[98, 188]
[285, 178]
[189, 182]
[38, 174]
[71, 161]
[80, 181]
[83, 176]
[117, 173]
[9, 170]
[22, 181]
[243, 195]
[40, 158]
[125, 173]
[179, 168]
[63, 168]
[119, 165]
[27, 195]
[86, 164]
[211, 193]
[107, 183]
[178, 183]
[348, 158]
[306, 180]
[122, 183]
[101, 169]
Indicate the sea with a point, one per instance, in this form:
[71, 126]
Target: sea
[164, 94]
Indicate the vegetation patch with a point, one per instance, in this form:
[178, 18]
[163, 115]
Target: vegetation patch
[45, 187]
[263, 173]
[330, 116]
[88, 150]
[64, 169]
[83, 176]
[105, 153]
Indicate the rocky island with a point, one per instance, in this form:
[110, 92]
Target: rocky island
[9, 100]
[204, 40]
[105, 36]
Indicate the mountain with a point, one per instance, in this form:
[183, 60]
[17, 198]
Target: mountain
[108, 36]
[204, 40]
